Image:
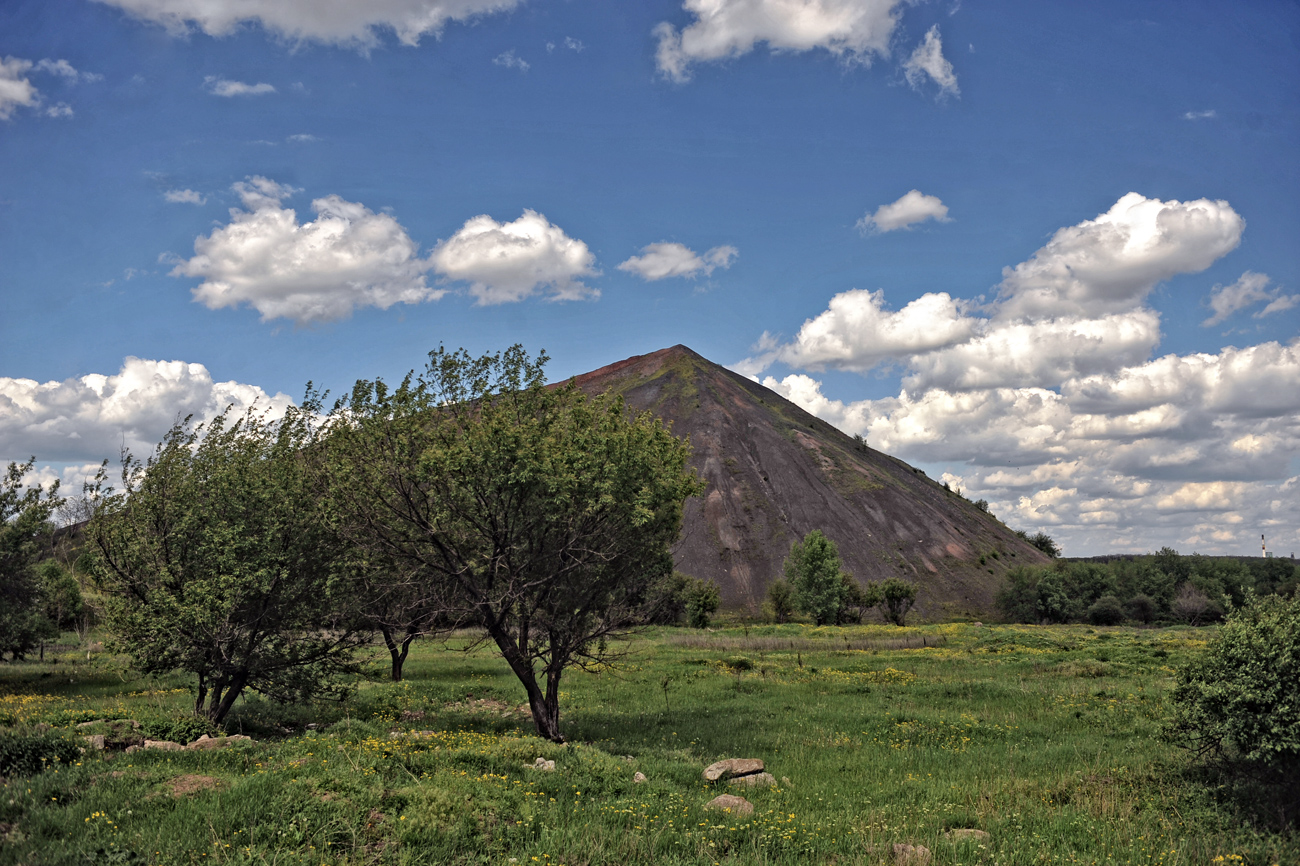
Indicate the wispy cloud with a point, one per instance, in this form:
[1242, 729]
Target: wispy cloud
[225, 87]
[1208, 114]
[510, 60]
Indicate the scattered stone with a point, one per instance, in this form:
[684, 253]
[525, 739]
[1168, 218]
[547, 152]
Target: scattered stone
[766, 780]
[965, 834]
[731, 768]
[543, 764]
[95, 741]
[88, 724]
[785, 780]
[731, 803]
[911, 855]
[164, 745]
[638, 778]
[206, 743]
[979, 625]
[183, 786]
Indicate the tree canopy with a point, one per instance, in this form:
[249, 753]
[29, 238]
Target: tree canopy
[24, 524]
[536, 513]
[218, 559]
[813, 572]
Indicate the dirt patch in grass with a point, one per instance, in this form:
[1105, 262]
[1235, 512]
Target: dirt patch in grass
[183, 786]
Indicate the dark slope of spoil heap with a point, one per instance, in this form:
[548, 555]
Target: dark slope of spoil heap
[775, 472]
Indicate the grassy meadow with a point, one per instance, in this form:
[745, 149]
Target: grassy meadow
[1047, 738]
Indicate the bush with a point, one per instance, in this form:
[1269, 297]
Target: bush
[1238, 700]
[1106, 611]
[25, 754]
[702, 600]
[1195, 607]
[183, 730]
[780, 600]
[1141, 607]
[896, 597]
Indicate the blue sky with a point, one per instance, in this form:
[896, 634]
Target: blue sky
[1045, 250]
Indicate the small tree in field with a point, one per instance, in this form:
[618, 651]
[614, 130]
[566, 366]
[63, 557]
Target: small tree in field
[538, 514]
[896, 598]
[702, 601]
[813, 571]
[780, 600]
[24, 524]
[217, 559]
[1238, 700]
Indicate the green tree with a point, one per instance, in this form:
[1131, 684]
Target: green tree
[539, 514]
[1238, 699]
[702, 601]
[61, 595]
[780, 600]
[896, 599]
[813, 571]
[24, 528]
[217, 559]
[1042, 541]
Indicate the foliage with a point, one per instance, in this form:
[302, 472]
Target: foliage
[780, 604]
[1238, 699]
[896, 598]
[218, 560]
[1105, 611]
[24, 525]
[61, 595]
[813, 571]
[25, 753]
[536, 513]
[856, 600]
[1140, 608]
[702, 600]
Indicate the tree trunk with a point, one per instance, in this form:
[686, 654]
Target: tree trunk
[398, 651]
[545, 707]
[221, 705]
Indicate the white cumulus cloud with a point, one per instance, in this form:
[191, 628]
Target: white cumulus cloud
[856, 332]
[338, 22]
[914, 207]
[505, 262]
[347, 257]
[225, 87]
[1249, 289]
[1111, 263]
[89, 418]
[1049, 404]
[16, 89]
[854, 30]
[184, 196]
[927, 61]
[662, 260]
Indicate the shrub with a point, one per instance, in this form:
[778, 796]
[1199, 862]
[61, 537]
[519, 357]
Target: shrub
[182, 730]
[702, 600]
[25, 754]
[1238, 699]
[896, 597]
[1106, 611]
[1018, 599]
[780, 600]
[1141, 608]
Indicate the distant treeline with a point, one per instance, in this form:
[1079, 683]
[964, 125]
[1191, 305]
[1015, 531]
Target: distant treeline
[1159, 587]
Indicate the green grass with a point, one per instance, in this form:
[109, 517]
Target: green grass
[1046, 738]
